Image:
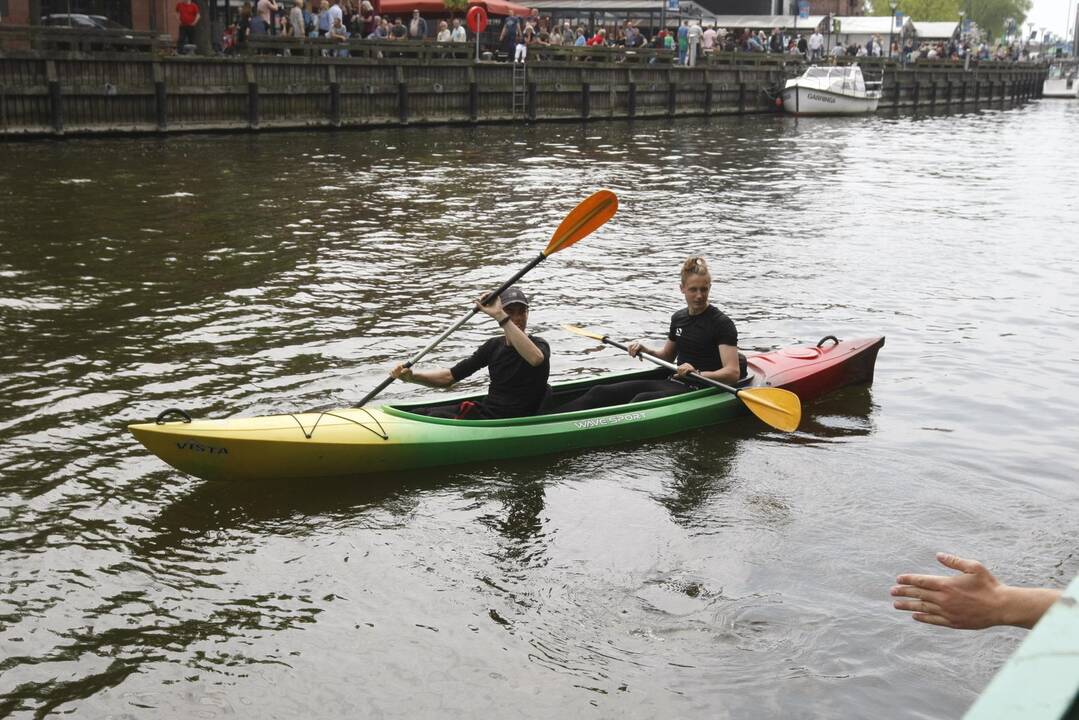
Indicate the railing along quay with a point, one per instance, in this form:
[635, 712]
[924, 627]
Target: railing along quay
[51, 85]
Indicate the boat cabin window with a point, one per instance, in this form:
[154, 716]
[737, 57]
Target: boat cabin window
[837, 78]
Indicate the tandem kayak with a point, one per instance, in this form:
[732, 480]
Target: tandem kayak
[356, 441]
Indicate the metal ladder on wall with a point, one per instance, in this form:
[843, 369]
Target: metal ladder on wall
[520, 88]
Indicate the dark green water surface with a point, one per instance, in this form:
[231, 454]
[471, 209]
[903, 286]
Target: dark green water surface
[733, 572]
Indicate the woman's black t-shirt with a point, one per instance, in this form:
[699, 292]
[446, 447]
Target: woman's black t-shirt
[697, 338]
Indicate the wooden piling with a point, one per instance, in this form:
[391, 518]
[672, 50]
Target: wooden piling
[56, 98]
[335, 97]
[402, 95]
[161, 98]
[252, 97]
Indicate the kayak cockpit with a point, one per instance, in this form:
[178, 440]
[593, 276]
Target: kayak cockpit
[558, 396]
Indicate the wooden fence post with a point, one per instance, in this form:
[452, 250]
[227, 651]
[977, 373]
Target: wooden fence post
[160, 98]
[56, 98]
[402, 95]
[252, 97]
[335, 96]
[473, 95]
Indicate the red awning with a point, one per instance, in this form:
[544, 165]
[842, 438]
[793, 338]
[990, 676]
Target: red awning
[502, 7]
[405, 7]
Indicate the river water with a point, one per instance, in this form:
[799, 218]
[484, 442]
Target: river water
[730, 572]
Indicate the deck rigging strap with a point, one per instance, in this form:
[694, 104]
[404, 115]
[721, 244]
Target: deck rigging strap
[381, 432]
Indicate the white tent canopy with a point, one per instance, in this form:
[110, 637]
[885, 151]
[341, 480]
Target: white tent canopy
[869, 24]
[858, 30]
[767, 22]
[688, 10]
[935, 30]
[635, 9]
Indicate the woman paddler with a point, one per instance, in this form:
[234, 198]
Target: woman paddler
[700, 339]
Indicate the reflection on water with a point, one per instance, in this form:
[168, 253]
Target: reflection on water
[731, 570]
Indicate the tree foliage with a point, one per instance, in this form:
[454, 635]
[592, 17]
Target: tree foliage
[990, 15]
[456, 6]
[924, 10]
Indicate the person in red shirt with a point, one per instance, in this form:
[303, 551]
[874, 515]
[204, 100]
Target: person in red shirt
[189, 15]
[599, 39]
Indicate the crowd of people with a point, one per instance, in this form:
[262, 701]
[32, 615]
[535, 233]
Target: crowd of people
[336, 20]
[344, 20]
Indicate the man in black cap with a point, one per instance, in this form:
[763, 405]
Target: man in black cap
[519, 365]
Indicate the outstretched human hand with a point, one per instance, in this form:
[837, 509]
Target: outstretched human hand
[972, 600]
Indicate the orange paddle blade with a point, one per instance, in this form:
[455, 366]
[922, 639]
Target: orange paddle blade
[593, 211]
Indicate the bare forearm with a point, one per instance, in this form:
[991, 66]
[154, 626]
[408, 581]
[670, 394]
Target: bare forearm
[1023, 607]
[725, 375]
[523, 345]
[665, 353]
[438, 378]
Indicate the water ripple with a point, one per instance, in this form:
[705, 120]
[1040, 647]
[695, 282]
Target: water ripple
[732, 571]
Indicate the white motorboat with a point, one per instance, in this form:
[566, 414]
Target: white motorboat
[1062, 81]
[839, 90]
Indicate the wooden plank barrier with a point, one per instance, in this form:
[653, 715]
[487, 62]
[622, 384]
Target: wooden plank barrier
[53, 92]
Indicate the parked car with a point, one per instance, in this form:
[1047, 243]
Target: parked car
[81, 21]
[106, 23]
[115, 37]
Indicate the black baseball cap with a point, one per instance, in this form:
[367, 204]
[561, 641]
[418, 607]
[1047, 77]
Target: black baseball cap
[513, 295]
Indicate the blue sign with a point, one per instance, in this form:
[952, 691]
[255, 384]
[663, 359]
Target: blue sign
[672, 5]
[803, 9]
[899, 18]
